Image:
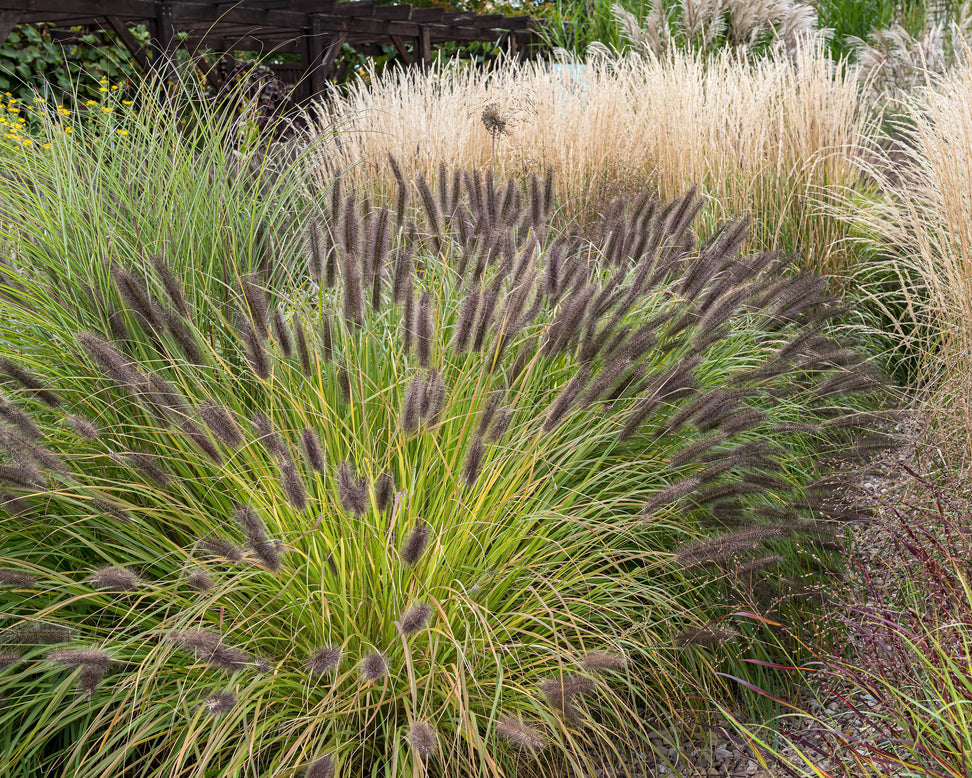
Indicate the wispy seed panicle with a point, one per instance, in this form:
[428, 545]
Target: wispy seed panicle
[704, 636]
[25, 475]
[474, 459]
[80, 657]
[563, 402]
[501, 423]
[219, 704]
[200, 580]
[316, 250]
[9, 658]
[283, 334]
[312, 448]
[724, 546]
[602, 660]
[133, 290]
[521, 734]
[423, 330]
[433, 396]
[303, 352]
[493, 402]
[344, 382]
[220, 423]
[408, 322]
[374, 667]
[111, 362]
[223, 548]
[17, 418]
[292, 486]
[256, 303]
[30, 383]
[256, 354]
[115, 579]
[148, 465]
[670, 494]
[36, 633]
[412, 404]
[470, 305]
[401, 200]
[414, 619]
[351, 289]
[173, 288]
[17, 579]
[321, 768]
[422, 739]
[267, 551]
[324, 660]
[327, 342]
[486, 312]
[692, 452]
[199, 438]
[560, 693]
[431, 210]
[402, 283]
[415, 543]
[352, 490]
[84, 427]
[385, 491]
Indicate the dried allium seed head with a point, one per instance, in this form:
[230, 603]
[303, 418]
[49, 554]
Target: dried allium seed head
[115, 579]
[602, 660]
[324, 660]
[199, 579]
[219, 704]
[415, 619]
[416, 543]
[520, 733]
[17, 579]
[385, 491]
[494, 121]
[374, 667]
[422, 738]
[221, 424]
[321, 768]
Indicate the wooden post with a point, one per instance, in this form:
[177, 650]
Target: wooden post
[424, 48]
[8, 20]
[126, 37]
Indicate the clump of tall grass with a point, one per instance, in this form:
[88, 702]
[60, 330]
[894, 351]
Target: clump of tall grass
[902, 676]
[777, 139]
[922, 232]
[459, 496]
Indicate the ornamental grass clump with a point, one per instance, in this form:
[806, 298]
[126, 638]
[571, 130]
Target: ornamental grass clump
[467, 530]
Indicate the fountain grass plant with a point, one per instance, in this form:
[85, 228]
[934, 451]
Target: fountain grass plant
[454, 496]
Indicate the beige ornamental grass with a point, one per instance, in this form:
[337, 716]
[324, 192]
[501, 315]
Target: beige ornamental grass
[777, 139]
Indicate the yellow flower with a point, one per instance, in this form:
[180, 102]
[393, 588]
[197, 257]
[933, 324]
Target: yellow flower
[103, 89]
[68, 129]
[27, 142]
[126, 102]
[122, 132]
[106, 108]
[114, 87]
[91, 102]
[38, 99]
[103, 81]
[46, 146]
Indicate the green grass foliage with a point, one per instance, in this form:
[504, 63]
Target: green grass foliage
[293, 481]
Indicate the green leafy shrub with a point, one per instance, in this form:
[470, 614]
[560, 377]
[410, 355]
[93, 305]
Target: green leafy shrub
[463, 495]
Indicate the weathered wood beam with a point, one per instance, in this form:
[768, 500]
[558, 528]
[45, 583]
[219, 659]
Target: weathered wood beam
[131, 43]
[423, 49]
[8, 20]
[399, 43]
[315, 55]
